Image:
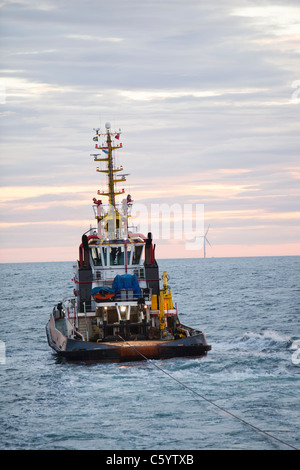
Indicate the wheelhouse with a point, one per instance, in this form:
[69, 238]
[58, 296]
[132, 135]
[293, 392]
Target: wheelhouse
[126, 253]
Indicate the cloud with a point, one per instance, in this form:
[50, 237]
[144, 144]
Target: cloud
[17, 193]
[17, 87]
[89, 37]
[149, 95]
[281, 19]
[42, 5]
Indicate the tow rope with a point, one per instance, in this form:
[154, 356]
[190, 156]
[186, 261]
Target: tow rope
[207, 400]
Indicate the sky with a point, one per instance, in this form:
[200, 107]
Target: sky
[207, 95]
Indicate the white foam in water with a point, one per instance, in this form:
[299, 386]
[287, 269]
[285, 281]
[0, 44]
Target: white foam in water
[268, 335]
[2, 352]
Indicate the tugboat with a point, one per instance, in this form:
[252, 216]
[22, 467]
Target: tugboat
[119, 311]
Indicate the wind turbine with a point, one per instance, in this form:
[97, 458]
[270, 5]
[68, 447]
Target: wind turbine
[205, 239]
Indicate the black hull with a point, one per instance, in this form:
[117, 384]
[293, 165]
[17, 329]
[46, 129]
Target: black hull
[76, 350]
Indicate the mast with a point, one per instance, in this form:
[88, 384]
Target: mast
[113, 219]
[112, 197]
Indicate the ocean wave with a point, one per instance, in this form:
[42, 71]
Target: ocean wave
[268, 335]
[266, 340]
[267, 343]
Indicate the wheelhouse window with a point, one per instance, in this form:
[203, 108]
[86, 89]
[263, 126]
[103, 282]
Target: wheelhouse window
[104, 254]
[96, 256]
[99, 255]
[137, 253]
[117, 256]
[129, 249]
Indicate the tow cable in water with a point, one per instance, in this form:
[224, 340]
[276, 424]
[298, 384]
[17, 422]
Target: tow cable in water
[150, 361]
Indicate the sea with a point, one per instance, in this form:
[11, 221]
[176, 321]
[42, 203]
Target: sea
[244, 395]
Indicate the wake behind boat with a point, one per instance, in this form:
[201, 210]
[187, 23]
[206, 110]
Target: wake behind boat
[120, 311]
